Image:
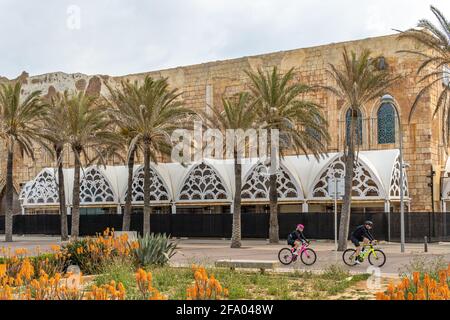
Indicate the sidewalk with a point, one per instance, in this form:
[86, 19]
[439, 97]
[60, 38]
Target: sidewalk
[207, 251]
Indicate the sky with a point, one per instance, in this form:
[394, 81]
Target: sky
[119, 37]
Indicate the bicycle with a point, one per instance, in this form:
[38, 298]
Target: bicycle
[307, 255]
[376, 257]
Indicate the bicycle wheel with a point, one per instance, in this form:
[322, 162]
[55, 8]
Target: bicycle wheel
[285, 256]
[348, 257]
[308, 257]
[377, 258]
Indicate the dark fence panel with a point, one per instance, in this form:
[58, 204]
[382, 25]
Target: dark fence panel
[201, 225]
[93, 224]
[253, 225]
[37, 224]
[321, 225]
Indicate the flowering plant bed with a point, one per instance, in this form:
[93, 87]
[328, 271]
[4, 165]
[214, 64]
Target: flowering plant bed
[419, 286]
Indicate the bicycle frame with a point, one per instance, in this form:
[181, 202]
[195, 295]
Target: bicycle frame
[302, 248]
[368, 251]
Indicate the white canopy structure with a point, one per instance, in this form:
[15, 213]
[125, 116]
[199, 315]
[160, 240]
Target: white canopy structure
[301, 180]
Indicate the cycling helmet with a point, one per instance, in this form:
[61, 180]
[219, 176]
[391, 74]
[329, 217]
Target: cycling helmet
[300, 226]
[370, 223]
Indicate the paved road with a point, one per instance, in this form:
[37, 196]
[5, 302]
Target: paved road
[206, 251]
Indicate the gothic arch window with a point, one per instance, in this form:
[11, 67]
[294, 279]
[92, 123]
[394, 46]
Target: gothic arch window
[364, 183]
[94, 187]
[386, 123]
[394, 189]
[158, 189]
[358, 128]
[256, 185]
[44, 189]
[203, 183]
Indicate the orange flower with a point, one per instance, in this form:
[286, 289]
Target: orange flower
[2, 270]
[405, 283]
[443, 277]
[426, 280]
[391, 288]
[416, 277]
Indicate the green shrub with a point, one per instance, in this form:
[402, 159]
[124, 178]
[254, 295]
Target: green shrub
[335, 272]
[81, 255]
[424, 265]
[154, 250]
[50, 263]
[119, 270]
[92, 253]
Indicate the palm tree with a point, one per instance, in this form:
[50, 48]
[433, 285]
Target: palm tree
[238, 112]
[435, 39]
[126, 135]
[359, 80]
[54, 130]
[300, 122]
[87, 128]
[152, 112]
[19, 128]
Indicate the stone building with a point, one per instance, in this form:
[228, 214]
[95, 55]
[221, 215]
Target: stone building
[204, 84]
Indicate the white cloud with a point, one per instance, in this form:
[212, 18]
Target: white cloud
[120, 37]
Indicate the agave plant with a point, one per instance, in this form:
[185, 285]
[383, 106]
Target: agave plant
[154, 249]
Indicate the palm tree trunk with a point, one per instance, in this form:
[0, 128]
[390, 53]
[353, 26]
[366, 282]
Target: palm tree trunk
[273, 199]
[62, 195]
[147, 207]
[127, 212]
[344, 223]
[9, 196]
[76, 196]
[236, 233]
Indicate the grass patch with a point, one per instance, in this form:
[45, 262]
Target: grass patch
[173, 282]
[119, 270]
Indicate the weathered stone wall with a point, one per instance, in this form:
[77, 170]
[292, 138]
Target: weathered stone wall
[206, 83]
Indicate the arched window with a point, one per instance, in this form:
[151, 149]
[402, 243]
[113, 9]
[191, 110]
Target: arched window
[44, 190]
[203, 183]
[95, 188]
[256, 185]
[365, 184]
[386, 123]
[358, 125]
[158, 190]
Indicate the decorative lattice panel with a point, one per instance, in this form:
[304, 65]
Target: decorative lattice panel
[364, 185]
[203, 183]
[25, 190]
[257, 184]
[95, 188]
[394, 189]
[158, 190]
[44, 189]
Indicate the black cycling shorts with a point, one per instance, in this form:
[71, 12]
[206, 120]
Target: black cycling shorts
[355, 241]
[291, 242]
